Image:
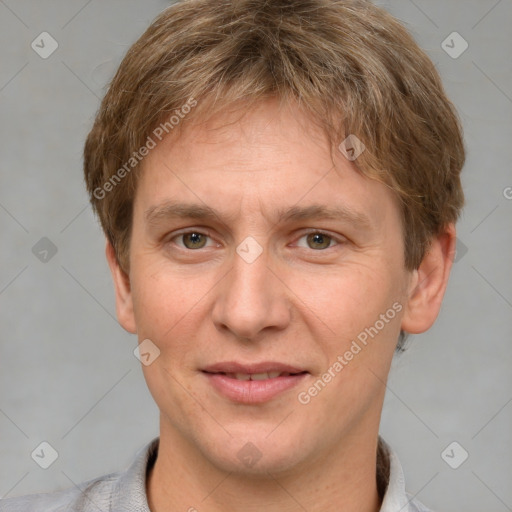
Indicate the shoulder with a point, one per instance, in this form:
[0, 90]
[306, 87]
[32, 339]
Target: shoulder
[416, 506]
[123, 490]
[92, 495]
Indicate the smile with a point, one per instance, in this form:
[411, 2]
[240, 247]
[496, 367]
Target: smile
[253, 388]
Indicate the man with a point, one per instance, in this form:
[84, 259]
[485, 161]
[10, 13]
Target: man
[278, 183]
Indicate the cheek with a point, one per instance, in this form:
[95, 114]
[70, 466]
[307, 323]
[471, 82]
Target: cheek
[362, 308]
[172, 308]
[161, 301]
[348, 298]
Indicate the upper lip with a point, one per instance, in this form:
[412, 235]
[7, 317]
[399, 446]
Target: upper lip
[251, 368]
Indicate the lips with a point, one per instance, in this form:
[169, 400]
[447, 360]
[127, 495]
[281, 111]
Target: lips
[232, 367]
[253, 383]
[256, 376]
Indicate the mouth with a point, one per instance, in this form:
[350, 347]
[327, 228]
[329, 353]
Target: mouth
[256, 376]
[253, 383]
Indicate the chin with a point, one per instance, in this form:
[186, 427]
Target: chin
[256, 454]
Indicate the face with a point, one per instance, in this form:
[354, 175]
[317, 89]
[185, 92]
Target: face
[271, 279]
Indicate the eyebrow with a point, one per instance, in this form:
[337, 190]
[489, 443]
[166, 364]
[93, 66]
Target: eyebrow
[173, 210]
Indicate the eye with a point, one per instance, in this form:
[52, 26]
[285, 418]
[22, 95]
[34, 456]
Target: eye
[318, 240]
[191, 240]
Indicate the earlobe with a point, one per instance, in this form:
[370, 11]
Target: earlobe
[122, 287]
[429, 282]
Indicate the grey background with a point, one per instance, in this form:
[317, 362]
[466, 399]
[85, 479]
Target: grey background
[68, 375]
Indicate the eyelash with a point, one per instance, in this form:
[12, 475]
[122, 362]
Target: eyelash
[338, 241]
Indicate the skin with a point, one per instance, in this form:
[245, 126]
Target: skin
[296, 303]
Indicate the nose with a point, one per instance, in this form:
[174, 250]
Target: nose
[251, 299]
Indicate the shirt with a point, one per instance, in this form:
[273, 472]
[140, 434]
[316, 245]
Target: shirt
[125, 491]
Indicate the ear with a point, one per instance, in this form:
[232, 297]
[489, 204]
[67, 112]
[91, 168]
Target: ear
[124, 303]
[428, 283]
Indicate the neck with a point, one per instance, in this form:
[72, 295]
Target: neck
[182, 479]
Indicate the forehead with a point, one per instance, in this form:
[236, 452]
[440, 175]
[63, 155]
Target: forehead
[271, 159]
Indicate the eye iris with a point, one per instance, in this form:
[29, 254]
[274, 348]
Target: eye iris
[319, 239]
[197, 240]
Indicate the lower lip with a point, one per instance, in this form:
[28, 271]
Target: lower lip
[252, 391]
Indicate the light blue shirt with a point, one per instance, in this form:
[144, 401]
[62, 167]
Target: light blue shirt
[125, 491]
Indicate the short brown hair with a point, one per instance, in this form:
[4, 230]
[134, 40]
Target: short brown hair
[349, 64]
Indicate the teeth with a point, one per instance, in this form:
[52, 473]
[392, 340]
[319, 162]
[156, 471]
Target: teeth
[240, 376]
[259, 376]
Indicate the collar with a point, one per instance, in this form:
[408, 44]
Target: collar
[392, 479]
